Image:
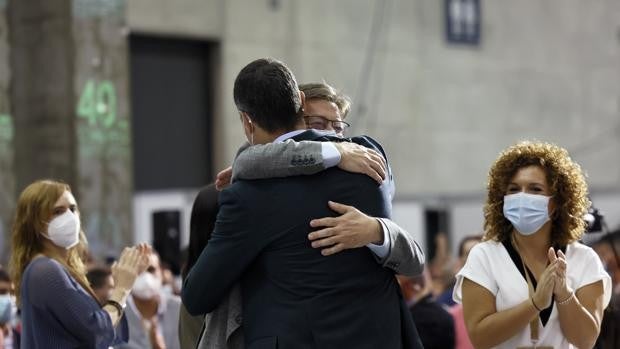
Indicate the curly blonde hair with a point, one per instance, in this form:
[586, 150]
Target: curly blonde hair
[564, 177]
[34, 210]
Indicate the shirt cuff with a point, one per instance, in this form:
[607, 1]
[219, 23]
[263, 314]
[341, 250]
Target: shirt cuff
[331, 155]
[384, 249]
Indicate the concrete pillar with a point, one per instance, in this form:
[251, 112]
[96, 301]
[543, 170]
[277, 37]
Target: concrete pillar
[70, 103]
[7, 178]
[42, 97]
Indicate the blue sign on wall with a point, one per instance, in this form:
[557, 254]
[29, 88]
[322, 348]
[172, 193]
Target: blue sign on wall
[463, 18]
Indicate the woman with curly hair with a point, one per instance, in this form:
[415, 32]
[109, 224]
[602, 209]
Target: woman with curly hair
[58, 307]
[530, 283]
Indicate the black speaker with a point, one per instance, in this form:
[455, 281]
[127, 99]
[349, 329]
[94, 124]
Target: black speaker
[167, 238]
[437, 221]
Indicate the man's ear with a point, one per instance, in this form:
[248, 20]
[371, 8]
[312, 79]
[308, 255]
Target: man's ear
[247, 122]
[246, 117]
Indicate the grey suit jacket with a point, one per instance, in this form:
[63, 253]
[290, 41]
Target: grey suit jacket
[273, 160]
[405, 256]
[223, 326]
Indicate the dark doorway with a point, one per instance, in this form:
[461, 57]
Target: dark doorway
[172, 89]
[167, 238]
[437, 221]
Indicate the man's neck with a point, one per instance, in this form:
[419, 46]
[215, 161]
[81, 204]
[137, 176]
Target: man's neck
[269, 137]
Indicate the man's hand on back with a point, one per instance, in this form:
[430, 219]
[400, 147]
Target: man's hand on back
[223, 178]
[359, 159]
[352, 229]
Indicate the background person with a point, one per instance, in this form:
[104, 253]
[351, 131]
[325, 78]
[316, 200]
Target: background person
[456, 310]
[608, 249]
[9, 335]
[152, 314]
[202, 221]
[102, 282]
[433, 322]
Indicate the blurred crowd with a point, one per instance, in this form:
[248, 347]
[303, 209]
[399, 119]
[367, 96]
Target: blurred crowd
[155, 304]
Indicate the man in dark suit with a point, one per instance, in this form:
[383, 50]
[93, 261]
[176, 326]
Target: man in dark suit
[294, 297]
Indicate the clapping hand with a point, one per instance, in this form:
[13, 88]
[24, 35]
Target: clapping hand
[132, 262]
[560, 289]
[544, 288]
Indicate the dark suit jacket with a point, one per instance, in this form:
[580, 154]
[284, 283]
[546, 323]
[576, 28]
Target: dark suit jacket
[293, 297]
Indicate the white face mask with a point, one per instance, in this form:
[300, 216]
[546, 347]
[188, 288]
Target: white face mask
[147, 286]
[64, 230]
[15, 320]
[5, 309]
[526, 212]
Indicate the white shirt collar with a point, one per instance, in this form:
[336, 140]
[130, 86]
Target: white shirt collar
[288, 135]
[292, 134]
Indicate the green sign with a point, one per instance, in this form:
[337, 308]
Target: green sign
[98, 8]
[104, 134]
[6, 128]
[98, 103]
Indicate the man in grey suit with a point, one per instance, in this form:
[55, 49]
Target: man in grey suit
[352, 229]
[325, 109]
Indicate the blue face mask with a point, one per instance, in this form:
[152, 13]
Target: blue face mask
[5, 308]
[526, 212]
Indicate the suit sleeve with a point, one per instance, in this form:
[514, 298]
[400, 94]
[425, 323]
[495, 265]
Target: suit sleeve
[388, 184]
[284, 159]
[405, 256]
[230, 250]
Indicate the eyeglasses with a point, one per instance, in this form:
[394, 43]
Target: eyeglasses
[322, 123]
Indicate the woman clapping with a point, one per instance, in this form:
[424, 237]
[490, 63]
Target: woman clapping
[531, 283]
[58, 307]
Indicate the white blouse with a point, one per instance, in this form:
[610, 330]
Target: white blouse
[490, 266]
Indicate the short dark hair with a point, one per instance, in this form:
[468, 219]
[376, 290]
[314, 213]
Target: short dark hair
[267, 90]
[465, 240]
[613, 240]
[201, 224]
[97, 276]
